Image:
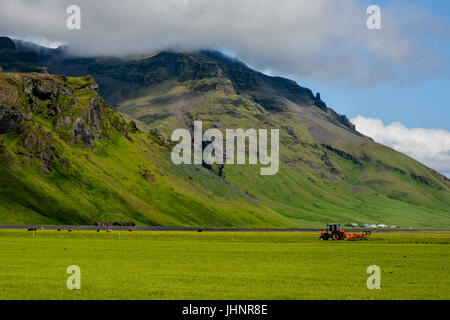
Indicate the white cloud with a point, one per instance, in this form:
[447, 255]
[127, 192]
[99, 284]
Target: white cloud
[429, 146]
[321, 40]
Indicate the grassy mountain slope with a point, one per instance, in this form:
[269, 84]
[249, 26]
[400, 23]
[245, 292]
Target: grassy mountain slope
[328, 170]
[319, 180]
[65, 157]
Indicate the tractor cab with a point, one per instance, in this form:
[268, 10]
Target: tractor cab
[332, 227]
[333, 231]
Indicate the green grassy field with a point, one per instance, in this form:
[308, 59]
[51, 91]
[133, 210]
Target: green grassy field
[207, 265]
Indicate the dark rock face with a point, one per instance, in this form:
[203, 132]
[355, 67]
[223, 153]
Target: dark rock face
[40, 144]
[7, 43]
[342, 118]
[46, 89]
[319, 103]
[74, 110]
[11, 120]
[63, 121]
[88, 127]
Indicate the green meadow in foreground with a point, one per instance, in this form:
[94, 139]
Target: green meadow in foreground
[221, 265]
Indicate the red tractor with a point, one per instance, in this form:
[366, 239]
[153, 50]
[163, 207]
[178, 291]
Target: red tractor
[332, 231]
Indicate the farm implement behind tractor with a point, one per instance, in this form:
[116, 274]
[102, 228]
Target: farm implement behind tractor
[335, 232]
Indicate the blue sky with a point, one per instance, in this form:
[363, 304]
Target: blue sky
[425, 104]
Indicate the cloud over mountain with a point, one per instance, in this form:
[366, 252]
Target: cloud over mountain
[322, 40]
[429, 146]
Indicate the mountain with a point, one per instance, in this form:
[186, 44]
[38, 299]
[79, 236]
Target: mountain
[66, 157]
[14, 59]
[328, 171]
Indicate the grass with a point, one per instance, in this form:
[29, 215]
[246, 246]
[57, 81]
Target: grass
[221, 265]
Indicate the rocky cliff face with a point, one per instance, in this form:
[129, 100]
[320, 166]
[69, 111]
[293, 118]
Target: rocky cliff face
[67, 158]
[39, 144]
[77, 113]
[11, 120]
[207, 70]
[87, 128]
[45, 88]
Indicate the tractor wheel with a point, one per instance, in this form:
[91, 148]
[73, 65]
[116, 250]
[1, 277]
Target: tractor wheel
[324, 237]
[336, 236]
